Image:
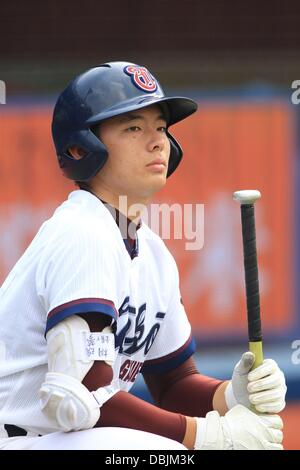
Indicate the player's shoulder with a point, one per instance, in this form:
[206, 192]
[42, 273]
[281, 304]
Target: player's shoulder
[82, 216]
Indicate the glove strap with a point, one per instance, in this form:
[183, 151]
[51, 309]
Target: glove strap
[209, 435]
[229, 396]
[103, 394]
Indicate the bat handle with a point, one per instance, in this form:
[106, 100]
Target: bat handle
[256, 348]
[247, 198]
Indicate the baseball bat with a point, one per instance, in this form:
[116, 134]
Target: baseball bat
[247, 199]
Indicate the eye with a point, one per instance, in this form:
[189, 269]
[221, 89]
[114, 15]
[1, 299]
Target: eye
[133, 129]
[162, 129]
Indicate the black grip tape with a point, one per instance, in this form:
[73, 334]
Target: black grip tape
[251, 272]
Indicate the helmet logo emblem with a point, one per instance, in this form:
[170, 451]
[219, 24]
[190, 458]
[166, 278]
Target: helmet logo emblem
[141, 78]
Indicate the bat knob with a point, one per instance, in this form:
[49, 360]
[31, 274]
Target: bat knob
[247, 196]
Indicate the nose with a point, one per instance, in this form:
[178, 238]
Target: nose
[157, 141]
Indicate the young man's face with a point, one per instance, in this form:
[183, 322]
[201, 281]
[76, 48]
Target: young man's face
[138, 153]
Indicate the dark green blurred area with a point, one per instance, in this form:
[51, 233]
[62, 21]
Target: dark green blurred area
[198, 44]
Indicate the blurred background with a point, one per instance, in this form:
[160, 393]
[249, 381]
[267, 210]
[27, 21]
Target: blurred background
[239, 61]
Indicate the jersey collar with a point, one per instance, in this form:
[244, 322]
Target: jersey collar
[127, 228]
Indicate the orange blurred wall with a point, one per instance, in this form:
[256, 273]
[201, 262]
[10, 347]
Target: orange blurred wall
[227, 146]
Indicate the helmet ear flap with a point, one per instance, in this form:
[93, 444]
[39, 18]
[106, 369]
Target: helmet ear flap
[88, 166]
[175, 154]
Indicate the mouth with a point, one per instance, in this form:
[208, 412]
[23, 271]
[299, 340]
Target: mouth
[157, 165]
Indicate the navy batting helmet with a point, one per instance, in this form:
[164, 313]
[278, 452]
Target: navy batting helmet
[100, 93]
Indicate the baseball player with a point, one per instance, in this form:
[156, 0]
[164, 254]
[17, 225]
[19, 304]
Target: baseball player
[95, 299]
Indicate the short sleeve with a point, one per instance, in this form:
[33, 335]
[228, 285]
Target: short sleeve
[174, 342]
[79, 272]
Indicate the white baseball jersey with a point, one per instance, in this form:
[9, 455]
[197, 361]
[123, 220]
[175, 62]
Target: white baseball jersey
[78, 262]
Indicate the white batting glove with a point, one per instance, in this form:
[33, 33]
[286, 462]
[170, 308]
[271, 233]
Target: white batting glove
[264, 387]
[239, 429]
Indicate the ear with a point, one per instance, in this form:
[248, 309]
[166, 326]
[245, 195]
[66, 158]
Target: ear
[76, 152]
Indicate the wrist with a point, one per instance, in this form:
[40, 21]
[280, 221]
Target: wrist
[219, 401]
[190, 433]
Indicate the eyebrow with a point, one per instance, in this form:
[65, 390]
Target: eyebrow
[132, 117]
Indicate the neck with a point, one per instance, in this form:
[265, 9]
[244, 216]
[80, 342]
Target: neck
[131, 207]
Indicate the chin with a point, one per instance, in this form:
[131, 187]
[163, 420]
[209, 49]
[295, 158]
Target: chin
[151, 186]
[158, 183]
